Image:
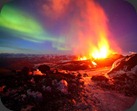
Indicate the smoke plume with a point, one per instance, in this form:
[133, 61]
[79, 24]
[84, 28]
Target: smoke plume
[83, 23]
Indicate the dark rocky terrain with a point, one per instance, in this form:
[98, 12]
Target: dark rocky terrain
[58, 83]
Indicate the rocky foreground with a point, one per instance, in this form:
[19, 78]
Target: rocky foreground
[62, 89]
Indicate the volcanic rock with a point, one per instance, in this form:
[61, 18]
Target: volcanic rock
[126, 66]
[25, 70]
[99, 78]
[4, 72]
[37, 72]
[27, 108]
[35, 94]
[75, 65]
[44, 68]
[48, 88]
[124, 75]
[108, 61]
[63, 86]
[126, 63]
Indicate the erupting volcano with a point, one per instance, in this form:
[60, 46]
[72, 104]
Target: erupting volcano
[65, 55]
[101, 51]
[94, 40]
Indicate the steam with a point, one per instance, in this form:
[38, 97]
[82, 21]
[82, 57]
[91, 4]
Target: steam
[83, 22]
[55, 8]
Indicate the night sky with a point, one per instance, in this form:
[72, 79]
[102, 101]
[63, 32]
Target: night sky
[62, 26]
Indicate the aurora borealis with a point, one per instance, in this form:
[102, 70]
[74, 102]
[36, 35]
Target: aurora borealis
[23, 30]
[53, 26]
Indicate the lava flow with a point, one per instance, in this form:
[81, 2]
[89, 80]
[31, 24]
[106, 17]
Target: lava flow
[100, 52]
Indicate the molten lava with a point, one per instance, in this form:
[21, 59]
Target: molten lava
[82, 58]
[94, 39]
[102, 50]
[94, 63]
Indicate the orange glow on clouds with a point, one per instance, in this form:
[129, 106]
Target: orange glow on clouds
[86, 27]
[92, 33]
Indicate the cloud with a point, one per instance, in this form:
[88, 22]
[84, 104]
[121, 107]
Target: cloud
[55, 8]
[83, 23]
[74, 25]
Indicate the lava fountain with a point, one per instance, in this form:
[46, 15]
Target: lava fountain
[102, 51]
[83, 25]
[94, 40]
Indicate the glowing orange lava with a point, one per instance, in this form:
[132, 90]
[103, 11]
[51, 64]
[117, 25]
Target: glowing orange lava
[95, 41]
[82, 58]
[102, 50]
[94, 63]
